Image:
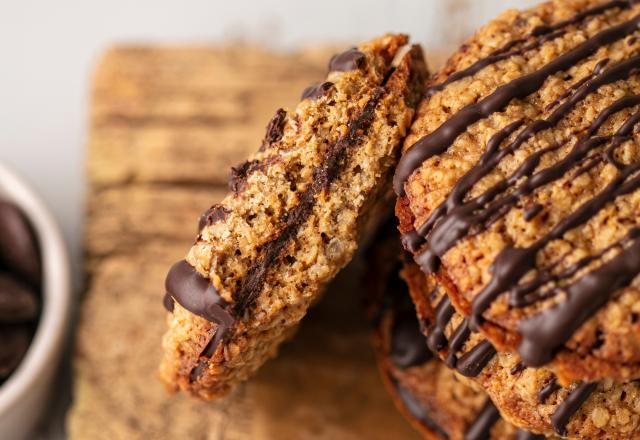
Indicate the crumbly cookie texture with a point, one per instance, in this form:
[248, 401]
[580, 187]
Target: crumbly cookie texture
[531, 398]
[292, 218]
[429, 394]
[519, 184]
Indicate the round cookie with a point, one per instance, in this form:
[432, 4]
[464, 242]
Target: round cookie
[292, 219]
[528, 397]
[428, 393]
[519, 185]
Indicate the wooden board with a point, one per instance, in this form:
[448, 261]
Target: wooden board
[166, 125]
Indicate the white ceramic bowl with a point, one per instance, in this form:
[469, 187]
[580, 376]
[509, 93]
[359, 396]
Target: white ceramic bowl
[24, 395]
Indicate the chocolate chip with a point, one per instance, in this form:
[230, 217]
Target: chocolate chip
[239, 175]
[18, 303]
[19, 251]
[315, 91]
[15, 343]
[215, 214]
[275, 129]
[351, 59]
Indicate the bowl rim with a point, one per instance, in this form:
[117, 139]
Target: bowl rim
[49, 337]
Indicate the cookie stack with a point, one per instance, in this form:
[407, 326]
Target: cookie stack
[518, 199]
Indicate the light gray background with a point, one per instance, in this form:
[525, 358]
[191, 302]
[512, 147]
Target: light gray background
[48, 50]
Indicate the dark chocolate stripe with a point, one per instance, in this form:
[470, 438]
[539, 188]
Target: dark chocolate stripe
[458, 339]
[544, 333]
[570, 406]
[473, 362]
[532, 211]
[322, 177]
[196, 293]
[452, 219]
[571, 90]
[497, 56]
[517, 369]
[444, 136]
[541, 34]
[444, 311]
[548, 389]
[480, 429]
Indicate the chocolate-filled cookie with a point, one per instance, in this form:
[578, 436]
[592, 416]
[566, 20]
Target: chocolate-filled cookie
[531, 398]
[292, 219]
[520, 181]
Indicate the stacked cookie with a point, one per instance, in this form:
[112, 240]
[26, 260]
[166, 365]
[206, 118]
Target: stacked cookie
[518, 198]
[518, 201]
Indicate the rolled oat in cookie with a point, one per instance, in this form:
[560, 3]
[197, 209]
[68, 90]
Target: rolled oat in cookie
[292, 219]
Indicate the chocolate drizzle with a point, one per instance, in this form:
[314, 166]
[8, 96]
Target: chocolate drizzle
[518, 368]
[544, 333]
[570, 406]
[452, 220]
[444, 136]
[351, 59]
[472, 362]
[548, 389]
[437, 340]
[532, 211]
[480, 429]
[196, 294]
[457, 218]
[540, 34]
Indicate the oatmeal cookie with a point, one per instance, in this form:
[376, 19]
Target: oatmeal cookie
[520, 180]
[292, 218]
[531, 398]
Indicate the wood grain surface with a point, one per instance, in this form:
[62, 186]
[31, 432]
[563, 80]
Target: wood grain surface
[166, 125]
